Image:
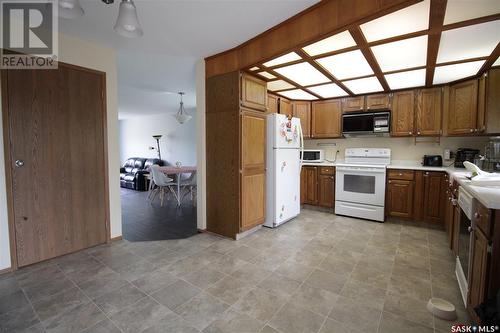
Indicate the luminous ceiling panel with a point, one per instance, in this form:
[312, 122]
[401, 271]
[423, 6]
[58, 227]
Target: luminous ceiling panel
[444, 74]
[403, 54]
[406, 20]
[292, 56]
[363, 86]
[469, 42]
[407, 79]
[304, 74]
[462, 10]
[254, 68]
[279, 85]
[497, 62]
[267, 75]
[328, 90]
[297, 94]
[336, 42]
[347, 65]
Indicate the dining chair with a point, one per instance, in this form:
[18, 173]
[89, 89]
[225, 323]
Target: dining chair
[162, 184]
[189, 184]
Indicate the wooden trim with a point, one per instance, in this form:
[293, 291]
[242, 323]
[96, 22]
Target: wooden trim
[398, 38]
[6, 270]
[114, 239]
[491, 60]
[8, 158]
[360, 39]
[436, 19]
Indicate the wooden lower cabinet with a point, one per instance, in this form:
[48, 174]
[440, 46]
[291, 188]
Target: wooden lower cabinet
[309, 185]
[433, 205]
[479, 269]
[326, 191]
[400, 198]
[253, 199]
[317, 186]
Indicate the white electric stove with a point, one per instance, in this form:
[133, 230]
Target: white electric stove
[360, 183]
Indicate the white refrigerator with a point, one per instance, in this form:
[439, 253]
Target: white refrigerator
[284, 144]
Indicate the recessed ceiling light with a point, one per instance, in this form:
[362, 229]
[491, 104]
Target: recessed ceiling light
[328, 90]
[279, 85]
[444, 74]
[406, 20]
[363, 86]
[347, 65]
[469, 42]
[297, 94]
[336, 42]
[402, 54]
[292, 56]
[462, 10]
[304, 74]
[407, 79]
[267, 75]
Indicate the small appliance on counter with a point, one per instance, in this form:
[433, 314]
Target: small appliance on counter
[312, 155]
[465, 154]
[492, 155]
[432, 161]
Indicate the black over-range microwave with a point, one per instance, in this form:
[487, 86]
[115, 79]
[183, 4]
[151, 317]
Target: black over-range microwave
[366, 123]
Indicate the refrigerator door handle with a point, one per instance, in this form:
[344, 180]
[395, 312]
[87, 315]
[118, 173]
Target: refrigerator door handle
[301, 147]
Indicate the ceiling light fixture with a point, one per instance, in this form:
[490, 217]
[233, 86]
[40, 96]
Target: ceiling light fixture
[70, 9]
[127, 23]
[182, 116]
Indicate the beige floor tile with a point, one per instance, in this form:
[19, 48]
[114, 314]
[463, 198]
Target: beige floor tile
[294, 319]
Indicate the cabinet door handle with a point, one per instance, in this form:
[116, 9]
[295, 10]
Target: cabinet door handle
[472, 130]
[477, 215]
[390, 181]
[410, 133]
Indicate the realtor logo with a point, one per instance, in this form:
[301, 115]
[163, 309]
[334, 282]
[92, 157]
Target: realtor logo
[29, 34]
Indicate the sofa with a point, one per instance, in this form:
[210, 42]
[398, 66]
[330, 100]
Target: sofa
[132, 172]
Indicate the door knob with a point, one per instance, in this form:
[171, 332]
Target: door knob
[19, 163]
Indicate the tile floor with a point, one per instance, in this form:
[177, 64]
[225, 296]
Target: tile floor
[318, 273]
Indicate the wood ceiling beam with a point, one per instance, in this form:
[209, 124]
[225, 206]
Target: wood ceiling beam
[436, 19]
[491, 60]
[360, 39]
[323, 71]
[284, 78]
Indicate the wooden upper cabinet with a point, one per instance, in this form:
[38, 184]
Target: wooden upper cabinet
[491, 110]
[302, 110]
[352, 104]
[378, 102]
[429, 111]
[272, 103]
[285, 106]
[253, 140]
[326, 119]
[462, 108]
[253, 92]
[403, 114]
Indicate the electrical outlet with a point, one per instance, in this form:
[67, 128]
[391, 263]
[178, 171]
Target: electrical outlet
[447, 154]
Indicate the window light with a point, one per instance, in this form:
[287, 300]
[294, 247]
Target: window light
[469, 42]
[292, 56]
[462, 10]
[407, 79]
[267, 75]
[346, 65]
[406, 20]
[328, 90]
[279, 85]
[304, 74]
[403, 54]
[444, 74]
[363, 86]
[336, 42]
[297, 94]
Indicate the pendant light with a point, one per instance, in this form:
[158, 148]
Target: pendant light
[127, 23]
[70, 9]
[182, 116]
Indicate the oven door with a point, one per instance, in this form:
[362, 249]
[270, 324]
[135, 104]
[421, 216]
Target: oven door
[363, 185]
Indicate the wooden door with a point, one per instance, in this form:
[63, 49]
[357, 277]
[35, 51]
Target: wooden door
[311, 181]
[352, 104]
[479, 267]
[403, 113]
[326, 191]
[56, 130]
[326, 119]
[253, 92]
[272, 103]
[378, 102]
[253, 165]
[433, 197]
[400, 198]
[429, 112]
[462, 110]
[285, 107]
[302, 110]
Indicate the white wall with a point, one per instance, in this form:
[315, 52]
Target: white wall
[178, 142]
[82, 53]
[201, 194]
[402, 148]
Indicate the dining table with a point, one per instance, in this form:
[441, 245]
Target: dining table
[178, 171]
